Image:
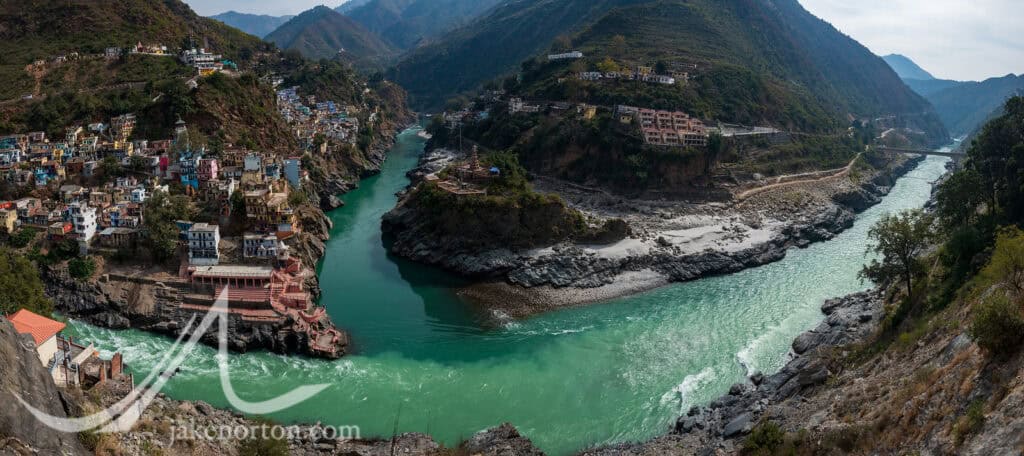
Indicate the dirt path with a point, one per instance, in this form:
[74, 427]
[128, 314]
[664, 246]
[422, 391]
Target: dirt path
[833, 174]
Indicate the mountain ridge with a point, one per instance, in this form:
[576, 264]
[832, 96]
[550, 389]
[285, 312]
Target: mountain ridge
[907, 68]
[405, 24]
[259, 25]
[324, 33]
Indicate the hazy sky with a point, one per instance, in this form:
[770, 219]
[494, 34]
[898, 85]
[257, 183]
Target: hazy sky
[952, 39]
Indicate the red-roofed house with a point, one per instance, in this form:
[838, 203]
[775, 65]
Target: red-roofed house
[43, 330]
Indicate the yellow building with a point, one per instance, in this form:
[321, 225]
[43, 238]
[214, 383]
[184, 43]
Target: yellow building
[8, 218]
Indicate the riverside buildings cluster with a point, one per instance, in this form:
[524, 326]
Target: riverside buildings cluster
[91, 188]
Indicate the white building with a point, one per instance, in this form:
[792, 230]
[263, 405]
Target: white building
[263, 247]
[203, 240]
[565, 56]
[138, 195]
[83, 218]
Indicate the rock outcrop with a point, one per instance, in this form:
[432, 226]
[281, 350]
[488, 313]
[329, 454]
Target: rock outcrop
[22, 375]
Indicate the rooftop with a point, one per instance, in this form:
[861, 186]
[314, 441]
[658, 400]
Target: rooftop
[235, 271]
[40, 327]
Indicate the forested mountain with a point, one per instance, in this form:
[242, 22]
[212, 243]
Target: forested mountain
[350, 5]
[44, 92]
[324, 33]
[966, 105]
[906, 68]
[757, 60]
[37, 29]
[253, 24]
[406, 23]
[492, 45]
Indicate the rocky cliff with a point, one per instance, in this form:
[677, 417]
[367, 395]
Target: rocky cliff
[122, 302]
[22, 375]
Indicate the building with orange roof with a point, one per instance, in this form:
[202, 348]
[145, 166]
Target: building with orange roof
[43, 330]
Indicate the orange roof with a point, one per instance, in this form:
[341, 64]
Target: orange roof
[40, 327]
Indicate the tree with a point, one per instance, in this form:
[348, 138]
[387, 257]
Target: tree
[81, 268]
[607, 66]
[20, 285]
[959, 197]
[161, 211]
[997, 155]
[660, 67]
[1007, 263]
[110, 168]
[898, 239]
[618, 46]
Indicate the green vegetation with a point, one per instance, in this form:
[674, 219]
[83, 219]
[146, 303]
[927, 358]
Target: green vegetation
[23, 237]
[320, 32]
[980, 257]
[81, 268]
[162, 211]
[971, 422]
[20, 285]
[405, 23]
[899, 240]
[756, 63]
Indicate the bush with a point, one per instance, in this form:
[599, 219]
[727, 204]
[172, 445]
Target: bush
[971, 422]
[81, 268]
[997, 325]
[767, 438]
[23, 237]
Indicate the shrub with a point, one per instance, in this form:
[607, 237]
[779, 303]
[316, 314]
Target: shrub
[971, 422]
[997, 325]
[23, 237]
[81, 268]
[767, 438]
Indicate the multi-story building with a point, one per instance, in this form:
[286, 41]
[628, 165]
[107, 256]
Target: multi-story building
[83, 218]
[668, 128]
[203, 241]
[207, 169]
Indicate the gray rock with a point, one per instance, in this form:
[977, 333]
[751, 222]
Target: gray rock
[742, 424]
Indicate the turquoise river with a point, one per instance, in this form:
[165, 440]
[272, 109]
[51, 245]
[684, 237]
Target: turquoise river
[610, 372]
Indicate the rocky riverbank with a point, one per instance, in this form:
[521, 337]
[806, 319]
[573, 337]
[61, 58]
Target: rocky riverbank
[721, 425]
[669, 241]
[146, 303]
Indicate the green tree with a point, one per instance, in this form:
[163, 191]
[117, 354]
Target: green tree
[161, 211]
[81, 268]
[20, 285]
[110, 168]
[899, 240]
[607, 66]
[959, 197]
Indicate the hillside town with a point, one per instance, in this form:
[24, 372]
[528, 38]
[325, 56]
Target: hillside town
[92, 189]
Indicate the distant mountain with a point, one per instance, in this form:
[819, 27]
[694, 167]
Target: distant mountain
[926, 87]
[765, 61]
[324, 33]
[253, 24]
[906, 68]
[406, 23]
[966, 105]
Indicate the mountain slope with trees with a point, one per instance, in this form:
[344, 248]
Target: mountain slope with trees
[324, 33]
[782, 64]
[966, 105]
[407, 23]
[254, 24]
